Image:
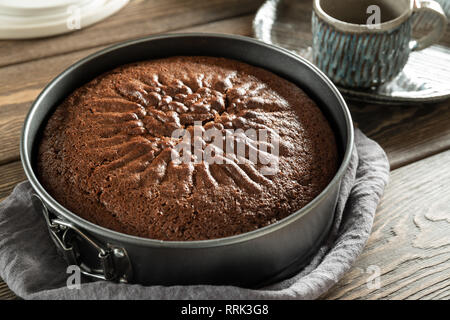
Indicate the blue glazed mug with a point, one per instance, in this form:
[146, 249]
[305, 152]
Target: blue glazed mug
[365, 43]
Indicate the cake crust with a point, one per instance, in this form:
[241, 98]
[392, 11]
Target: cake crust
[106, 152]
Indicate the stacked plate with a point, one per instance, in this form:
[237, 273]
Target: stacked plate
[21, 19]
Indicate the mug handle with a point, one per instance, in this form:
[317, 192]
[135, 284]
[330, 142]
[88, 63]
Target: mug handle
[438, 31]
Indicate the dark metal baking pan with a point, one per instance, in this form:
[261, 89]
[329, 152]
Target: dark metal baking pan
[249, 259]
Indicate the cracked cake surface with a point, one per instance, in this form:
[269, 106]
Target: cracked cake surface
[106, 153]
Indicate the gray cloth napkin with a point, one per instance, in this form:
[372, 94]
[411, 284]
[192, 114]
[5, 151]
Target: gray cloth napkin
[31, 267]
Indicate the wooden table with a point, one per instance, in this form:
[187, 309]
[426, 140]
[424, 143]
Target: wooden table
[410, 242]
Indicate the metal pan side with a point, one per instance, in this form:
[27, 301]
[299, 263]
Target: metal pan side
[243, 259]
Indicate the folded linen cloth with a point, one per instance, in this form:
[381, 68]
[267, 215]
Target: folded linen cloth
[31, 267]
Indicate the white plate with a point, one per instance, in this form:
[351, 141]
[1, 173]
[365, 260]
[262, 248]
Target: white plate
[23, 19]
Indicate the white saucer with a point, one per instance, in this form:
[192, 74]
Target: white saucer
[24, 19]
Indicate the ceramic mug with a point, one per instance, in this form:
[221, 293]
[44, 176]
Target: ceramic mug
[358, 54]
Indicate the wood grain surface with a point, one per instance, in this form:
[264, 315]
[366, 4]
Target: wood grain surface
[11, 174]
[407, 133]
[410, 243]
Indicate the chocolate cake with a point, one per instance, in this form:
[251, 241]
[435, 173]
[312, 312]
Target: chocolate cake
[109, 154]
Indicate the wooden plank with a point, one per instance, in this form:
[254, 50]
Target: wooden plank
[137, 19]
[18, 89]
[407, 133]
[5, 292]
[410, 241]
[10, 175]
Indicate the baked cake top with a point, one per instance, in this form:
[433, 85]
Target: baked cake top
[124, 150]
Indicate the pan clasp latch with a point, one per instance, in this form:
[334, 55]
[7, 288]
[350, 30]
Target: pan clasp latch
[95, 260]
